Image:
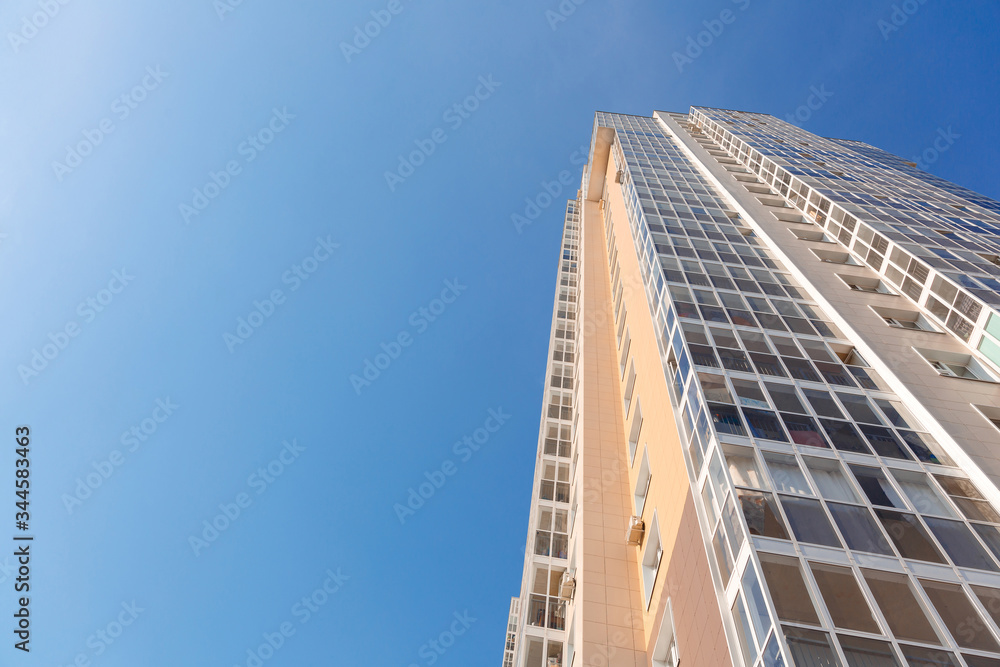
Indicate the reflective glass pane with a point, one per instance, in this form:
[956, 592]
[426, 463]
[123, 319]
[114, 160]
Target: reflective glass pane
[830, 480]
[843, 597]
[859, 408]
[910, 538]
[784, 397]
[861, 652]
[859, 529]
[755, 605]
[877, 487]
[885, 443]
[764, 424]
[788, 590]
[902, 610]
[804, 431]
[844, 436]
[822, 403]
[761, 514]
[743, 468]
[918, 656]
[808, 521]
[786, 474]
[921, 493]
[959, 616]
[960, 544]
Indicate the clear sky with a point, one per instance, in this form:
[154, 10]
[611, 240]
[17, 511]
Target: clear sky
[287, 136]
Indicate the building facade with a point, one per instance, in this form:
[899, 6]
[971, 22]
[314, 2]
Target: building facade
[771, 428]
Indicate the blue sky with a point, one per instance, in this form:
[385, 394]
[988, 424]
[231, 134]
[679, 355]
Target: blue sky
[183, 284]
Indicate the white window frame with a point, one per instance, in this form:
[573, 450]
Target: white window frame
[629, 388]
[635, 431]
[942, 362]
[642, 481]
[652, 556]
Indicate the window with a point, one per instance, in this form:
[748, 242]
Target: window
[767, 364]
[784, 397]
[990, 597]
[761, 514]
[557, 440]
[788, 590]
[804, 431]
[629, 387]
[830, 480]
[808, 521]
[861, 652]
[759, 615]
[764, 425]
[786, 474]
[900, 606]
[743, 631]
[909, 536]
[859, 529]
[885, 443]
[749, 393]
[904, 319]
[866, 284]
[859, 408]
[959, 616]
[956, 365]
[626, 343]
[726, 419]
[965, 494]
[714, 388]
[642, 482]
[665, 652]
[743, 468]
[651, 558]
[633, 438]
[960, 544]
[823, 403]
[877, 487]
[844, 436]
[836, 257]
[843, 597]
[922, 496]
[810, 647]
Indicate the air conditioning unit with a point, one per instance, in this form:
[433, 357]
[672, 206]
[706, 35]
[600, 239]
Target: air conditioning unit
[635, 529]
[620, 176]
[567, 586]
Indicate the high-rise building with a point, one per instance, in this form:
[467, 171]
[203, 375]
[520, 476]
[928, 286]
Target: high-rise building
[770, 431]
